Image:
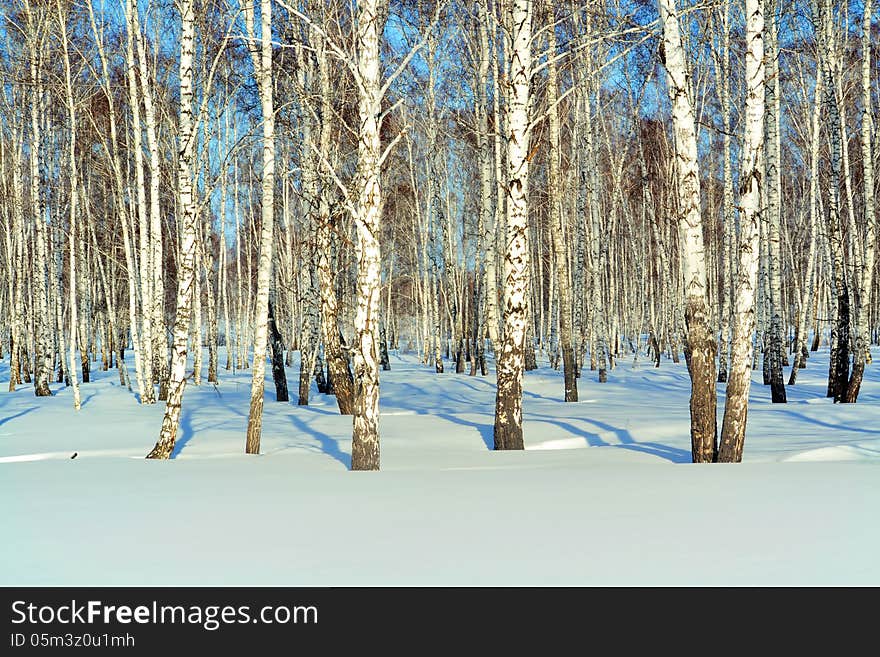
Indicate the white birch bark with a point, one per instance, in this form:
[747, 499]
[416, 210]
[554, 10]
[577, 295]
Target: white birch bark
[186, 284]
[157, 286]
[861, 342]
[146, 268]
[736, 405]
[508, 432]
[773, 181]
[838, 368]
[814, 228]
[486, 152]
[700, 342]
[557, 226]
[263, 70]
[338, 367]
[74, 190]
[43, 357]
[17, 353]
[371, 16]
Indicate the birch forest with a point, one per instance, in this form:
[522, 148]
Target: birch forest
[303, 189]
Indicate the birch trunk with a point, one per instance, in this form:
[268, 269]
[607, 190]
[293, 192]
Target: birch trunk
[43, 357]
[17, 241]
[146, 268]
[776, 348]
[186, 283]
[862, 336]
[371, 16]
[263, 71]
[489, 283]
[838, 371]
[339, 372]
[508, 433]
[74, 190]
[557, 230]
[733, 429]
[729, 227]
[812, 263]
[156, 285]
[700, 342]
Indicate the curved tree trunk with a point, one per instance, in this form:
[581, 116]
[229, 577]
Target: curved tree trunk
[188, 233]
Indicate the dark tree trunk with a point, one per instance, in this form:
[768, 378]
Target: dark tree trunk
[701, 346]
[655, 348]
[320, 380]
[341, 380]
[278, 374]
[25, 367]
[841, 370]
[569, 371]
[383, 350]
[855, 383]
[531, 362]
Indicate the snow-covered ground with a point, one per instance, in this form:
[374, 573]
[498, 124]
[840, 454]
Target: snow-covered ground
[603, 494]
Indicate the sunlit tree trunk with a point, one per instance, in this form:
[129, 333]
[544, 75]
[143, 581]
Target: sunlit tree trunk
[338, 368]
[146, 267]
[812, 290]
[557, 226]
[508, 433]
[15, 252]
[156, 284]
[866, 278]
[43, 357]
[186, 283]
[371, 16]
[838, 370]
[701, 343]
[74, 191]
[733, 429]
[263, 71]
[728, 266]
[489, 282]
[773, 181]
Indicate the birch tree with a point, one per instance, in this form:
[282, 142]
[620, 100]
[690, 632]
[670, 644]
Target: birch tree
[43, 357]
[838, 368]
[186, 277]
[508, 432]
[557, 226]
[700, 342]
[866, 279]
[773, 184]
[337, 363]
[736, 406]
[371, 16]
[74, 190]
[263, 70]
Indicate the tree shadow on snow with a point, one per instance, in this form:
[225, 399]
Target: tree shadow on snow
[486, 431]
[667, 452]
[88, 399]
[30, 409]
[185, 432]
[826, 425]
[328, 445]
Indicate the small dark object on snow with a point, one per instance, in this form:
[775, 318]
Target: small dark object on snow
[73, 456]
